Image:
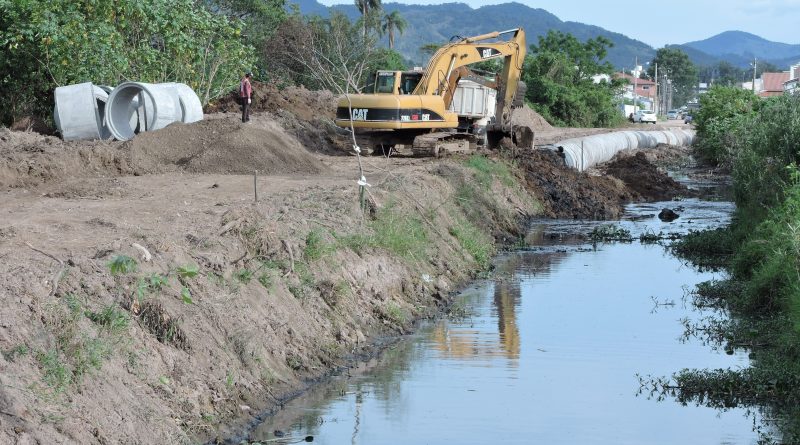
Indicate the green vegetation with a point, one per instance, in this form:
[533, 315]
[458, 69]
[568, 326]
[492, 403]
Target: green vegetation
[122, 265]
[559, 75]
[402, 234]
[76, 351]
[60, 42]
[610, 232]
[243, 275]
[723, 116]
[487, 170]
[477, 243]
[316, 246]
[675, 64]
[760, 141]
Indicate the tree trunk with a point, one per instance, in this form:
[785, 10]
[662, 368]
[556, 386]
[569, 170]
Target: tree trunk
[391, 38]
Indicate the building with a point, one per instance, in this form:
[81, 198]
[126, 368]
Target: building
[773, 84]
[792, 86]
[644, 88]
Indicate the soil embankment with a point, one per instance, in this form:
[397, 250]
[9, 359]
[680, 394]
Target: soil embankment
[147, 298]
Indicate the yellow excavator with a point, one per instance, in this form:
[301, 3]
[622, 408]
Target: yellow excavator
[412, 109]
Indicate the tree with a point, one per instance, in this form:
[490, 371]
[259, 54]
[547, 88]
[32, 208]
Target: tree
[391, 22]
[321, 53]
[260, 18]
[369, 10]
[559, 75]
[49, 43]
[675, 64]
[722, 111]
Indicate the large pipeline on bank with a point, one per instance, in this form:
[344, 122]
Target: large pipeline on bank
[86, 111]
[584, 152]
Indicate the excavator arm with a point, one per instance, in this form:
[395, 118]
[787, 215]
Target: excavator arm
[449, 64]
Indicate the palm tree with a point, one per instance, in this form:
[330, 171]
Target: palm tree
[365, 6]
[391, 22]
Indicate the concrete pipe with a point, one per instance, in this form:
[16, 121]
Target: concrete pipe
[191, 107]
[157, 105]
[79, 112]
[585, 152]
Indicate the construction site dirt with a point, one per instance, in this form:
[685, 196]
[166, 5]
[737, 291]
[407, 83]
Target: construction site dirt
[165, 289]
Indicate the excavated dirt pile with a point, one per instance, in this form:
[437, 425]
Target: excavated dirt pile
[221, 145]
[526, 116]
[301, 102]
[308, 115]
[567, 193]
[644, 178]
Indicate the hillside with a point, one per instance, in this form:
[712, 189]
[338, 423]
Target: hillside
[438, 23]
[739, 48]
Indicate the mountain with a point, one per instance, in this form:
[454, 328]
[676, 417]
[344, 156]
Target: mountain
[739, 48]
[438, 23]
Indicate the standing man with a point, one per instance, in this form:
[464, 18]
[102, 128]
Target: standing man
[245, 95]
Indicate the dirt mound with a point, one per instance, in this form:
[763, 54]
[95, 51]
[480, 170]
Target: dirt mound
[644, 178]
[28, 158]
[301, 102]
[567, 193]
[308, 115]
[526, 116]
[222, 146]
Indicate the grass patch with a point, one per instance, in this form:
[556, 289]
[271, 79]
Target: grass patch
[487, 170]
[316, 247]
[111, 319]
[709, 249]
[187, 271]
[393, 230]
[267, 280]
[394, 313]
[243, 275]
[610, 232]
[75, 353]
[15, 352]
[122, 265]
[477, 243]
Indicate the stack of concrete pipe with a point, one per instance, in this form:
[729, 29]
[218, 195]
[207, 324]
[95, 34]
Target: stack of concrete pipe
[584, 152]
[87, 111]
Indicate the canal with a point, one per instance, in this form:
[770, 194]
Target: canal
[546, 351]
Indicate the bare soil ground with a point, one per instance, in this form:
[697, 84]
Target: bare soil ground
[147, 298]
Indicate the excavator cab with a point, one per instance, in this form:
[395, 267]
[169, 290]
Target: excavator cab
[393, 82]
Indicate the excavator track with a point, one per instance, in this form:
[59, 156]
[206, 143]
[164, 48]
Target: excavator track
[441, 143]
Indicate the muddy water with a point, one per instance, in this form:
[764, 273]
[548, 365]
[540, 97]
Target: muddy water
[549, 355]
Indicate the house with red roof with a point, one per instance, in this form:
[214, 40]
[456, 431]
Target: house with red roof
[644, 87]
[773, 84]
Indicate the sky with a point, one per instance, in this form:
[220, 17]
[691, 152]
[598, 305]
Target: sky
[661, 22]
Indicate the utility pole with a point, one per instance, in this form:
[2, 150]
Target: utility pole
[656, 104]
[755, 64]
[635, 71]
